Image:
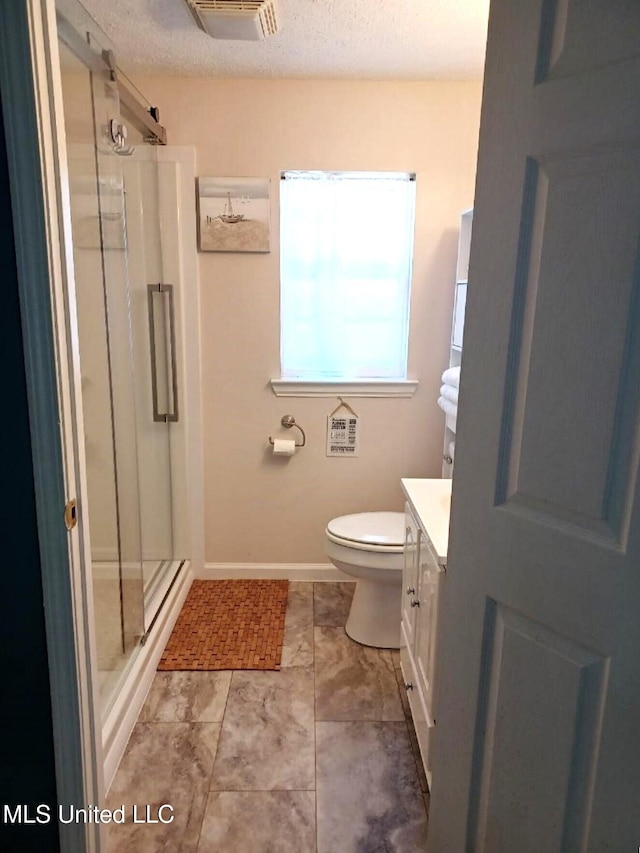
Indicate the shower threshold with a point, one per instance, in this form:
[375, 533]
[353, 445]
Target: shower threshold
[157, 592]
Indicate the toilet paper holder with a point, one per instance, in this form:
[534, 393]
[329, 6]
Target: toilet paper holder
[287, 422]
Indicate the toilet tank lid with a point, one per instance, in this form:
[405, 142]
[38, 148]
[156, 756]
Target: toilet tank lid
[376, 528]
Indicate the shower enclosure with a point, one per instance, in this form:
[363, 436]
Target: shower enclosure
[127, 316]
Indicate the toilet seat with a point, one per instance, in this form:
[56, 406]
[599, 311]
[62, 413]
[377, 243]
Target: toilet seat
[381, 532]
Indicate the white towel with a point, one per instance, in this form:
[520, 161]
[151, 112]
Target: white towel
[451, 411]
[447, 406]
[451, 376]
[449, 393]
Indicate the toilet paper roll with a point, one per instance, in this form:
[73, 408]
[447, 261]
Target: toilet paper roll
[284, 447]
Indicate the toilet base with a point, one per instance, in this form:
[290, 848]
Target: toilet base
[374, 618]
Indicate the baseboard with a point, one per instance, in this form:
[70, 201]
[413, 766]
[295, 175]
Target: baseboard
[275, 571]
[104, 555]
[122, 717]
[113, 570]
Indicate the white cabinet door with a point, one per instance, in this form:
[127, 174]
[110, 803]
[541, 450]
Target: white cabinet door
[410, 579]
[429, 574]
[538, 745]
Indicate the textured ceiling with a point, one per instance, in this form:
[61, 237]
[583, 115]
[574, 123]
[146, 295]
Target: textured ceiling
[341, 39]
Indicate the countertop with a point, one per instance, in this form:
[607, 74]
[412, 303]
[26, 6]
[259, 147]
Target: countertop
[430, 501]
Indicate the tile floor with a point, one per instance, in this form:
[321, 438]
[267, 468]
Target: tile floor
[319, 757]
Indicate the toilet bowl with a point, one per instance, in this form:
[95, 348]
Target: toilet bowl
[369, 547]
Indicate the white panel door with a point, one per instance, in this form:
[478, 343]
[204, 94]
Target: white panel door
[538, 744]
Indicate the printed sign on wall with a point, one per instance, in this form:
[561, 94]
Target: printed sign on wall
[342, 435]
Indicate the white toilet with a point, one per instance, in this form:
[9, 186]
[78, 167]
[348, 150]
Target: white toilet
[369, 546]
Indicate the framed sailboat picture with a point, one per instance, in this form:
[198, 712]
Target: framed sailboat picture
[234, 215]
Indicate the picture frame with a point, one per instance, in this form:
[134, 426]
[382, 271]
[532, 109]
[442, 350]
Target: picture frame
[234, 215]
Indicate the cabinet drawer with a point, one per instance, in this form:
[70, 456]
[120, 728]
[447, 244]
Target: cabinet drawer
[427, 556]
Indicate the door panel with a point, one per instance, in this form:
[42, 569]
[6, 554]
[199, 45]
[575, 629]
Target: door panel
[581, 248]
[535, 769]
[538, 742]
[585, 34]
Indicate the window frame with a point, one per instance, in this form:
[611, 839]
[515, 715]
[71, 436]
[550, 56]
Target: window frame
[312, 386]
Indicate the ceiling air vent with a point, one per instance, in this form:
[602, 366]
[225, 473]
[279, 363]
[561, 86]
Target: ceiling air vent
[246, 20]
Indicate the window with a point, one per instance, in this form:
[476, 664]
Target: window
[346, 246]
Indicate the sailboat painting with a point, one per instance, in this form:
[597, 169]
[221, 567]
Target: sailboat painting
[234, 215]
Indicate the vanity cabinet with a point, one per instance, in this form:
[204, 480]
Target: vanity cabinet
[426, 537]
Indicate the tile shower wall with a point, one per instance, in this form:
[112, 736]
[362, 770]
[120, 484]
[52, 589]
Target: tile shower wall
[265, 510]
[317, 758]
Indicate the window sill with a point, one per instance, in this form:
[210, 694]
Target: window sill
[356, 388]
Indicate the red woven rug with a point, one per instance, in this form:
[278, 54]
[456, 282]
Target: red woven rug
[229, 624]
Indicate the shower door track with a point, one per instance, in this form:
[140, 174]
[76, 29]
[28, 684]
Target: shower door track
[145, 636]
[104, 64]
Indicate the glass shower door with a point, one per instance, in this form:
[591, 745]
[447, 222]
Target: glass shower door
[108, 395]
[126, 320]
[153, 318]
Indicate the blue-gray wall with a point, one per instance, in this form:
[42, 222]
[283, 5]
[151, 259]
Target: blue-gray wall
[26, 736]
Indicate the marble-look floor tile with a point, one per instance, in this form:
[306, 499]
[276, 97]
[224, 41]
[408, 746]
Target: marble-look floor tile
[164, 764]
[259, 822]
[368, 796]
[297, 647]
[353, 682]
[331, 603]
[267, 738]
[177, 697]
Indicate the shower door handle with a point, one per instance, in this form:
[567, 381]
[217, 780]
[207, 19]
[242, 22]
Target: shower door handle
[162, 342]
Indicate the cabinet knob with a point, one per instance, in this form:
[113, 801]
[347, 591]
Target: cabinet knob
[408, 685]
[448, 459]
[415, 603]
[410, 590]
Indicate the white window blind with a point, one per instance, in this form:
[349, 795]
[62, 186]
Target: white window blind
[345, 265]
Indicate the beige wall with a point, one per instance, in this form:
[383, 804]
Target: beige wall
[260, 508]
